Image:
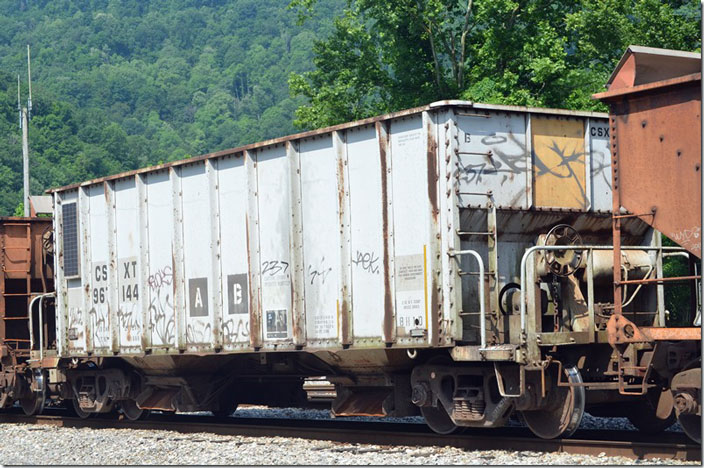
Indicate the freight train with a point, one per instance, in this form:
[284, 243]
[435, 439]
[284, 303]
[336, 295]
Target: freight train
[460, 261]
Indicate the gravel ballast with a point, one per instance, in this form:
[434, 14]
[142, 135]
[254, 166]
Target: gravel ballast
[43, 444]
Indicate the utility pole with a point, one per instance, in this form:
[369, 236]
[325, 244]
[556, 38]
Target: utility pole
[25, 113]
[25, 161]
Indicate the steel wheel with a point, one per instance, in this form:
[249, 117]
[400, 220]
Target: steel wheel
[80, 412]
[692, 426]
[225, 412]
[437, 418]
[563, 413]
[643, 415]
[32, 405]
[691, 423]
[131, 411]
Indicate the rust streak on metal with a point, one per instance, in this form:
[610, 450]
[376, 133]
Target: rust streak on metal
[432, 156]
[433, 175]
[254, 325]
[345, 312]
[382, 137]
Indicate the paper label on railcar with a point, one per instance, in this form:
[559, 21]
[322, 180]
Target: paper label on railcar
[276, 323]
[410, 294]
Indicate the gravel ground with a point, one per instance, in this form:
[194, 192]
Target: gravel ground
[30, 444]
[24, 444]
[253, 411]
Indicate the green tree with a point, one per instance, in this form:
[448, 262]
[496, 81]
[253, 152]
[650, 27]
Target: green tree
[387, 55]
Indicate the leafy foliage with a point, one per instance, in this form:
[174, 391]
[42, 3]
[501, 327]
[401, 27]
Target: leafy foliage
[524, 52]
[118, 85]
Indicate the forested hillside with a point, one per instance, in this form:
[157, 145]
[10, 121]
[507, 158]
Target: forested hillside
[122, 84]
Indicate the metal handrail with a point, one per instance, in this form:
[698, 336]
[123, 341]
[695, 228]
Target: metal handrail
[535, 248]
[41, 322]
[482, 311]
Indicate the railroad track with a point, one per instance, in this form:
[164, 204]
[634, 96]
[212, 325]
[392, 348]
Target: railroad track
[629, 444]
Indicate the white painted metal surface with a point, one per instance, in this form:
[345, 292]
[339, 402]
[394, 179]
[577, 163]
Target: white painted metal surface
[337, 238]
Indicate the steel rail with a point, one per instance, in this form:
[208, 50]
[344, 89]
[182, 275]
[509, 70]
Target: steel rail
[630, 444]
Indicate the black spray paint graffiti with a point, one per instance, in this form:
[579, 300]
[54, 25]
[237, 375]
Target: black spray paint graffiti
[129, 320]
[75, 324]
[274, 267]
[233, 329]
[499, 162]
[367, 261]
[320, 272]
[161, 307]
[199, 332]
[99, 323]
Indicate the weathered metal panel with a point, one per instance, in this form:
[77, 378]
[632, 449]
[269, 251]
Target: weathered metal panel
[321, 238]
[600, 156]
[85, 258]
[367, 234]
[411, 213]
[197, 217]
[74, 319]
[98, 267]
[339, 141]
[129, 309]
[297, 266]
[232, 186]
[559, 165]
[160, 283]
[274, 243]
[23, 270]
[657, 132]
[253, 251]
[493, 155]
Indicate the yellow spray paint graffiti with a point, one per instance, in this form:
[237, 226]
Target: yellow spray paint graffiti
[559, 170]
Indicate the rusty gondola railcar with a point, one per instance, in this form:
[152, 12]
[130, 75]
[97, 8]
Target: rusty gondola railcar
[455, 260]
[27, 271]
[655, 102]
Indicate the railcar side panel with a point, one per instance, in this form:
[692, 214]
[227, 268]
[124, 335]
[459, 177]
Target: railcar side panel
[98, 272]
[274, 243]
[128, 266]
[411, 210]
[321, 239]
[367, 234]
[160, 282]
[232, 189]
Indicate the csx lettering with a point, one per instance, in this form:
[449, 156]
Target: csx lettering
[127, 265]
[101, 273]
[599, 132]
